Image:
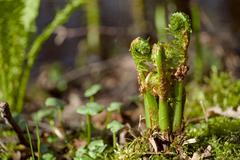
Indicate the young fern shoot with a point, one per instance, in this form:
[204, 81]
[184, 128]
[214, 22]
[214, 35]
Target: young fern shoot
[180, 28]
[161, 71]
[160, 87]
[141, 52]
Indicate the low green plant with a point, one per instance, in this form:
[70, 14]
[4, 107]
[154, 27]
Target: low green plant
[52, 115]
[161, 71]
[90, 92]
[114, 127]
[57, 104]
[89, 110]
[48, 156]
[53, 111]
[92, 108]
[113, 107]
[19, 45]
[56, 78]
[30, 143]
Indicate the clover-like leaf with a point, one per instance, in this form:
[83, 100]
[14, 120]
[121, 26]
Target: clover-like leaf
[92, 90]
[114, 106]
[51, 101]
[97, 146]
[56, 77]
[92, 151]
[82, 154]
[91, 108]
[48, 156]
[115, 126]
[46, 112]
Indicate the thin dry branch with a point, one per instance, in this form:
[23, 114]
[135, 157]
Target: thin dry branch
[7, 116]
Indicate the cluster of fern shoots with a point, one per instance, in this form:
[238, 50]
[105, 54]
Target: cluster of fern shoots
[161, 69]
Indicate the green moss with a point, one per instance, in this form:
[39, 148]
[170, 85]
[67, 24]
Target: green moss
[221, 133]
[7, 133]
[220, 89]
[224, 149]
[134, 150]
[9, 143]
[223, 89]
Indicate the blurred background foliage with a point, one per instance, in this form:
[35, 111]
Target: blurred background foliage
[19, 46]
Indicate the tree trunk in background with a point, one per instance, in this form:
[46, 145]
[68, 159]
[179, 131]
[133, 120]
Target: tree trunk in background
[93, 26]
[183, 6]
[224, 27]
[234, 58]
[150, 7]
[139, 21]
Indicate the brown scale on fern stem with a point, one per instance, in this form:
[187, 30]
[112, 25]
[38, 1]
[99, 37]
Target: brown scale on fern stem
[180, 72]
[141, 86]
[163, 88]
[186, 41]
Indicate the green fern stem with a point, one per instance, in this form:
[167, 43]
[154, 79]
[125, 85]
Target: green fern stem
[179, 105]
[164, 118]
[93, 34]
[114, 140]
[151, 108]
[161, 89]
[198, 60]
[60, 18]
[88, 128]
[108, 118]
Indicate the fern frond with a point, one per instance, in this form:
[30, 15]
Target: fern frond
[141, 52]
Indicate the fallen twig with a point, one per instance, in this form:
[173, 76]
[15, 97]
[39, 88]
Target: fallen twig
[7, 116]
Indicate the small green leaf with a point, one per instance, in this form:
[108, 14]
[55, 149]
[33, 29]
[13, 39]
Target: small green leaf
[46, 112]
[51, 101]
[96, 147]
[114, 106]
[83, 110]
[48, 156]
[91, 108]
[115, 126]
[56, 77]
[92, 151]
[92, 90]
[81, 154]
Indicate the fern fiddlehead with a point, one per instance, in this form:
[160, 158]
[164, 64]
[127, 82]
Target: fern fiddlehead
[164, 79]
[141, 53]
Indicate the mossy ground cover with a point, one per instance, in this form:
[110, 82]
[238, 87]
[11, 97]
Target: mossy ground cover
[221, 133]
[218, 138]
